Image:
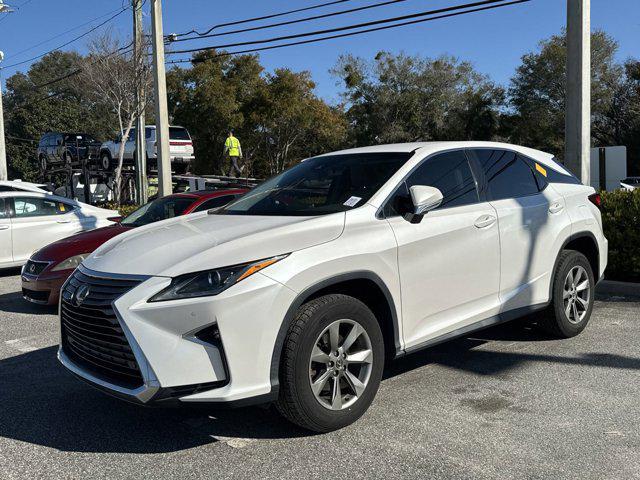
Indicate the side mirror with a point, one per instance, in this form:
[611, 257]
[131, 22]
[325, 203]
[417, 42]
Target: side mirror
[424, 199]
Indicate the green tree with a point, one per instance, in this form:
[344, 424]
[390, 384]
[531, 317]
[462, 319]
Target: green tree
[400, 98]
[33, 108]
[619, 123]
[277, 117]
[291, 122]
[209, 98]
[538, 90]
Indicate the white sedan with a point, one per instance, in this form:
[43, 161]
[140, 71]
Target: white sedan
[31, 220]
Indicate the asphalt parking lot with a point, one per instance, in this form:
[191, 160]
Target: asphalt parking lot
[504, 403]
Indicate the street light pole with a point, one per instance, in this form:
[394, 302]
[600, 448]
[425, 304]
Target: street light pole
[578, 102]
[162, 110]
[141, 150]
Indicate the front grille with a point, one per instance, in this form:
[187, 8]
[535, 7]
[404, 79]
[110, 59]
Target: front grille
[40, 296]
[92, 336]
[35, 268]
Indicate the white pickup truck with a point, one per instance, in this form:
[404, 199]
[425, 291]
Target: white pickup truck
[180, 149]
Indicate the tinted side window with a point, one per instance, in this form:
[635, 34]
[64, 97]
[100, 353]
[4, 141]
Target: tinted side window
[508, 175]
[35, 207]
[214, 203]
[449, 172]
[3, 209]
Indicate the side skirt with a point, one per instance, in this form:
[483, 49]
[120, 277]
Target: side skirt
[501, 317]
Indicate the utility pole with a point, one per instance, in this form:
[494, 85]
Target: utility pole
[3, 151]
[139, 61]
[578, 101]
[4, 8]
[162, 110]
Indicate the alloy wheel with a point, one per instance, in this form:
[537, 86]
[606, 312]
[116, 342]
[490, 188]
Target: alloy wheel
[576, 294]
[340, 364]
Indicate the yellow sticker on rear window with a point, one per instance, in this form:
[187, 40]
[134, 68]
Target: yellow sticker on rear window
[542, 170]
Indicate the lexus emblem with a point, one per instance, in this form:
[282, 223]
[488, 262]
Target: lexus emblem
[32, 268]
[80, 295]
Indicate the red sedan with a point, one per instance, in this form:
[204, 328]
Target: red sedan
[49, 267]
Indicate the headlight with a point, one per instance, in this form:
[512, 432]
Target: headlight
[70, 263]
[211, 282]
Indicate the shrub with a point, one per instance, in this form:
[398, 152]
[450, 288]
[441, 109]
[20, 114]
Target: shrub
[124, 210]
[621, 222]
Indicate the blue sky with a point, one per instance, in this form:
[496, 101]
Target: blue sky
[493, 41]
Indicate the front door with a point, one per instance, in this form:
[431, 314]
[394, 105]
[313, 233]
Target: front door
[6, 256]
[449, 263]
[37, 222]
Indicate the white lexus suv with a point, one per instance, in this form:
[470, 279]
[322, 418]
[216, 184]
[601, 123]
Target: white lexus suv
[300, 290]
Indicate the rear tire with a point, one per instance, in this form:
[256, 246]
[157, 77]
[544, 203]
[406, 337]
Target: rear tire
[105, 161]
[334, 343]
[573, 296]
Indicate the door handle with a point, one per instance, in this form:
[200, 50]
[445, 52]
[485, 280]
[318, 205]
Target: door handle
[485, 221]
[63, 221]
[4, 227]
[556, 207]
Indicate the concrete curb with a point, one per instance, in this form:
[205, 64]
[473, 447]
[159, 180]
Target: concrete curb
[613, 287]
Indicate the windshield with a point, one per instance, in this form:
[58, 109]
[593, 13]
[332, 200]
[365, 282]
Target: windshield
[320, 185]
[160, 209]
[80, 137]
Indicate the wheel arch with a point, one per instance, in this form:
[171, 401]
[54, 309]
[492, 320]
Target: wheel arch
[367, 287]
[584, 242]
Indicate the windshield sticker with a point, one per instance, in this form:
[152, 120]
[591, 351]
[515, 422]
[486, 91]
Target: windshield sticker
[352, 202]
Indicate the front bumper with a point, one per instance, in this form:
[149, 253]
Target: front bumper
[43, 289]
[176, 355]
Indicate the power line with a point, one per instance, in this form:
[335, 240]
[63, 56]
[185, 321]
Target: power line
[65, 33]
[349, 34]
[264, 17]
[93, 29]
[338, 29]
[289, 22]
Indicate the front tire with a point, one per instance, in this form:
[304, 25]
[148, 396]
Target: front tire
[332, 363]
[573, 296]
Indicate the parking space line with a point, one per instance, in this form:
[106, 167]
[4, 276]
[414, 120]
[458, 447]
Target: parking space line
[21, 345]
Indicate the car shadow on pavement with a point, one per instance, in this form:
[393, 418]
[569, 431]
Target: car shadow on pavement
[14, 303]
[9, 272]
[43, 404]
[465, 354]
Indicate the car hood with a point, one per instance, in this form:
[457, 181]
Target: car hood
[204, 241]
[84, 242]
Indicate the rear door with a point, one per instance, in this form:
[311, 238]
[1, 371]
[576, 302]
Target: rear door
[532, 220]
[38, 221]
[6, 255]
[449, 263]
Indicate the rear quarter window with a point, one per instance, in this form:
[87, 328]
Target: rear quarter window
[507, 174]
[178, 133]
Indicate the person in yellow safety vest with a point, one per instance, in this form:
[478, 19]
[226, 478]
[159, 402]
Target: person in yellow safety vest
[233, 151]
